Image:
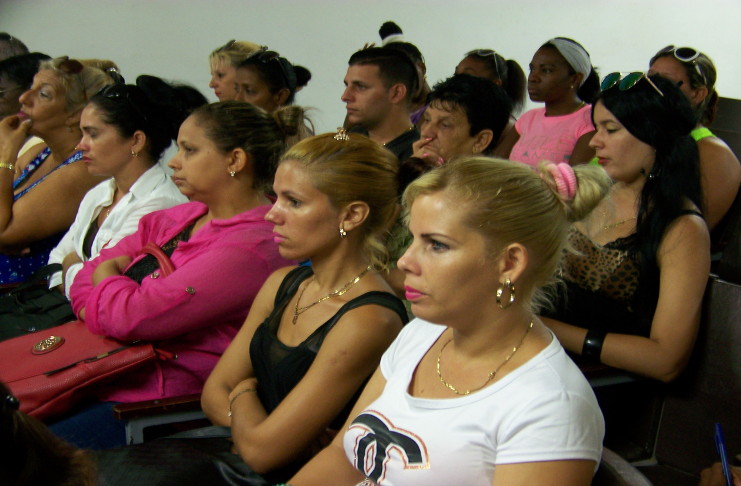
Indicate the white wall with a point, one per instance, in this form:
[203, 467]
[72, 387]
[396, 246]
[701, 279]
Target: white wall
[172, 39]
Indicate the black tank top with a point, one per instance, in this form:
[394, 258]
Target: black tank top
[278, 368]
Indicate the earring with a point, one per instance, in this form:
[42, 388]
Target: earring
[232, 173]
[343, 233]
[134, 154]
[508, 285]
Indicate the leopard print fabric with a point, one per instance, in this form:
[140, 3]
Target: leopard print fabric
[610, 270]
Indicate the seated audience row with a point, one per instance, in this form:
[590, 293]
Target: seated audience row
[222, 250]
[314, 334]
[125, 130]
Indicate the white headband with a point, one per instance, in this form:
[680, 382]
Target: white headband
[393, 38]
[575, 55]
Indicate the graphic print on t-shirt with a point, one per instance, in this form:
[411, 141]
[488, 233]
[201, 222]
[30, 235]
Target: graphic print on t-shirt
[379, 442]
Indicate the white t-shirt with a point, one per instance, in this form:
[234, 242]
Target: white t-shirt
[542, 411]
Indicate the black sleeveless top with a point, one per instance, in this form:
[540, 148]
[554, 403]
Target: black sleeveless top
[278, 368]
[603, 286]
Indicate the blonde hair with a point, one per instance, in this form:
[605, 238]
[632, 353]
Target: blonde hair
[356, 169]
[507, 202]
[80, 86]
[233, 53]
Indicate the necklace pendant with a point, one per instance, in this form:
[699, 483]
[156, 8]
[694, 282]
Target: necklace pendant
[295, 318]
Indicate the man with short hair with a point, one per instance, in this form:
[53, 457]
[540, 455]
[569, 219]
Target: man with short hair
[379, 86]
[10, 46]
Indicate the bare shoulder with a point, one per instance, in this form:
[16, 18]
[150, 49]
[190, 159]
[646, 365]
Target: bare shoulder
[715, 150]
[372, 324]
[687, 233]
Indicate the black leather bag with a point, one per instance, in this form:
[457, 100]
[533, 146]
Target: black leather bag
[33, 306]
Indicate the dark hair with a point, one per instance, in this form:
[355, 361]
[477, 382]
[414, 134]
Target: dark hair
[589, 90]
[664, 123]
[152, 106]
[390, 28]
[706, 110]
[11, 46]
[21, 69]
[394, 66]
[31, 454]
[507, 71]
[276, 72]
[303, 76]
[485, 104]
[235, 124]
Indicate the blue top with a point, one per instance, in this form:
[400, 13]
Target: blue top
[16, 269]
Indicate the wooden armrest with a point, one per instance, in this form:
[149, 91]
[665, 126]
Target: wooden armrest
[147, 408]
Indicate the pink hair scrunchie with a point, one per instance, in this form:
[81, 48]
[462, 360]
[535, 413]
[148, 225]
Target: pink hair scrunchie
[565, 179]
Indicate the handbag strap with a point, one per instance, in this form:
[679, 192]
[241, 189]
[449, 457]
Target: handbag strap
[39, 277]
[166, 266]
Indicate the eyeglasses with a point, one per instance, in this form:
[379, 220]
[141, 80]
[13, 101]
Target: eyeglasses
[685, 55]
[626, 82]
[73, 66]
[486, 53]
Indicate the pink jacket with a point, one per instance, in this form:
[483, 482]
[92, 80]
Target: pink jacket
[195, 312]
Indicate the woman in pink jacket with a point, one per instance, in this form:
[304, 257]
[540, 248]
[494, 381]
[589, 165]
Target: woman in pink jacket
[222, 250]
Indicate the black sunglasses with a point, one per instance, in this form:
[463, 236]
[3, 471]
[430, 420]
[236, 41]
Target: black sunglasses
[120, 92]
[265, 56]
[626, 82]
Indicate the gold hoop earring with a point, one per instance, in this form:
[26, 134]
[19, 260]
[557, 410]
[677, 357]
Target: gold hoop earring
[343, 233]
[508, 285]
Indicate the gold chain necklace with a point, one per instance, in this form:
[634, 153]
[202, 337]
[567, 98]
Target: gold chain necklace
[491, 375]
[337, 292]
[613, 225]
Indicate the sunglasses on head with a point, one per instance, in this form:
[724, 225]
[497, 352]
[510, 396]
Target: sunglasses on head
[120, 92]
[685, 55]
[226, 46]
[626, 82]
[486, 53]
[265, 56]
